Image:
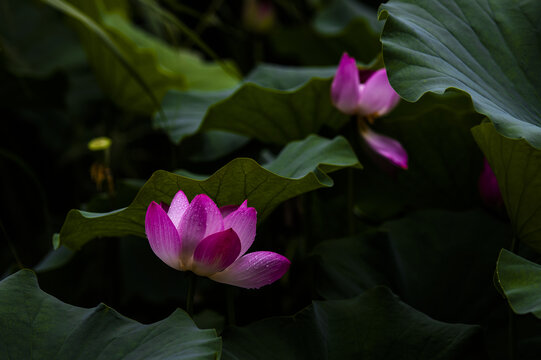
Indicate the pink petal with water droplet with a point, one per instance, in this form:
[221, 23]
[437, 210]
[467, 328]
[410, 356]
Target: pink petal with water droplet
[201, 218]
[178, 207]
[162, 235]
[254, 270]
[216, 252]
[243, 221]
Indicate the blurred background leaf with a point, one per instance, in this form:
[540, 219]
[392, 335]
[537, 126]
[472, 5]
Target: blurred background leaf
[35, 41]
[134, 68]
[342, 25]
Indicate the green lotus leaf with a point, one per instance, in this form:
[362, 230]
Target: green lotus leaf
[374, 325]
[301, 167]
[275, 104]
[490, 49]
[36, 325]
[517, 167]
[520, 282]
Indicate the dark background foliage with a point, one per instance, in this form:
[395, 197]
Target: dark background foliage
[385, 264]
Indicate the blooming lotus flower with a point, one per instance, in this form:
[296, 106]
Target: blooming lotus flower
[211, 241]
[375, 97]
[489, 189]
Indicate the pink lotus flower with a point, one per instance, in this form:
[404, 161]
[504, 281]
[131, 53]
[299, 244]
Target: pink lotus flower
[375, 97]
[211, 241]
[489, 189]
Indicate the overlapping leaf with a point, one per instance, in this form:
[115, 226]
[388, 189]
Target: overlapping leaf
[36, 325]
[490, 49]
[374, 325]
[448, 243]
[517, 167]
[301, 167]
[275, 105]
[520, 282]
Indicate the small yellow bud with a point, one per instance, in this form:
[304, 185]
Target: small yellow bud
[99, 143]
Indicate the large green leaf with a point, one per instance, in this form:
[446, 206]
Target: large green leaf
[490, 49]
[374, 325]
[36, 325]
[517, 167]
[301, 167]
[520, 281]
[134, 68]
[431, 249]
[275, 104]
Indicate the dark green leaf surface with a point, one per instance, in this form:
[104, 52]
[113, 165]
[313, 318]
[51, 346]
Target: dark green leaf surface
[374, 325]
[275, 105]
[344, 25]
[36, 325]
[444, 160]
[520, 281]
[450, 244]
[336, 17]
[517, 167]
[292, 173]
[35, 41]
[490, 49]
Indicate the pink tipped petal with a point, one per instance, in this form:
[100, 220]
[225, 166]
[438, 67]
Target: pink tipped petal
[201, 219]
[162, 235]
[228, 209]
[216, 252]
[243, 221]
[345, 94]
[489, 189]
[178, 207]
[165, 206]
[387, 147]
[244, 205]
[254, 270]
[377, 95]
